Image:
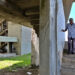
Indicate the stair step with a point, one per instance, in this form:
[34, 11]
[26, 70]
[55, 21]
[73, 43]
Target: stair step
[68, 65]
[69, 58]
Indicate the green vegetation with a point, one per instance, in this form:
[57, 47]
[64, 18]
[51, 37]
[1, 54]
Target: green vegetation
[12, 63]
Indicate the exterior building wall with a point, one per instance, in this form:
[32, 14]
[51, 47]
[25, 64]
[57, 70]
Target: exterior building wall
[14, 30]
[26, 40]
[23, 34]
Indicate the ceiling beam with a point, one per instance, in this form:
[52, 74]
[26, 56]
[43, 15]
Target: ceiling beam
[67, 8]
[13, 5]
[2, 2]
[31, 13]
[10, 7]
[36, 16]
[32, 10]
[35, 22]
[73, 0]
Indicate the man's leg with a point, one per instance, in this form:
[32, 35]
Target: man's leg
[69, 46]
[73, 45]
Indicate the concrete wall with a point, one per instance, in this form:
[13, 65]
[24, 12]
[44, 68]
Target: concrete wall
[14, 30]
[60, 34]
[23, 34]
[26, 40]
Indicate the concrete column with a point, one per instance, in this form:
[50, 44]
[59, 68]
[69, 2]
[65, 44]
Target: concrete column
[60, 34]
[35, 49]
[48, 38]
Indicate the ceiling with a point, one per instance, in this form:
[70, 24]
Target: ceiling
[21, 11]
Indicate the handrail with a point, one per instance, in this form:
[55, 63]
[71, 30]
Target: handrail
[4, 31]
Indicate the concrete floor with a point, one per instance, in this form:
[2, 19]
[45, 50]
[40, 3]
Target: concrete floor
[68, 66]
[21, 71]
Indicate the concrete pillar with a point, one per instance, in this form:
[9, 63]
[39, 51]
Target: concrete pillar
[60, 34]
[35, 49]
[48, 38]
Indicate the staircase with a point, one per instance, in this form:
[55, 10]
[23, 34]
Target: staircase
[3, 44]
[3, 32]
[4, 39]
[68, 65]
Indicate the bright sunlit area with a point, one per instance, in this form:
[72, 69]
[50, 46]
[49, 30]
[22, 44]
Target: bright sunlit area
[72, 15]
[12, 63]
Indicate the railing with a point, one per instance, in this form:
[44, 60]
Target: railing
[4, 32]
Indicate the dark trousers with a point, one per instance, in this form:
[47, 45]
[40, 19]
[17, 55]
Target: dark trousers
[71, 45]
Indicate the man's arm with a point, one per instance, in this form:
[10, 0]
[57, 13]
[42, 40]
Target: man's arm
[64, 30]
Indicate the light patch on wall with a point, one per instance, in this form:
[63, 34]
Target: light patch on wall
[72, 15]
[72, 12]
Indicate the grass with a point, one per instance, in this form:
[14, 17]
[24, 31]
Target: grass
[12, 63]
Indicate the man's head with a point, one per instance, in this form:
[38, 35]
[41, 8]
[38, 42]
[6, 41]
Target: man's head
[71, 20]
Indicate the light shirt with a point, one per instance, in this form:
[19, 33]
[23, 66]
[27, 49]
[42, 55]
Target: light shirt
[71, 30]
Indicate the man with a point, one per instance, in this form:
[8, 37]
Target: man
[71, 36]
